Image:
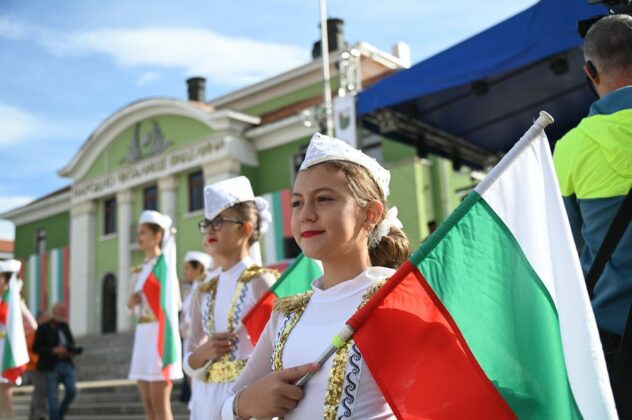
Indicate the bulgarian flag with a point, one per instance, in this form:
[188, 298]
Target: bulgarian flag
[297, 278]
[15, 355]
[490, 317]
[163, 297]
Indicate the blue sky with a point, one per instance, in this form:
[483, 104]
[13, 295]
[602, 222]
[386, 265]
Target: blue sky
[67, 65]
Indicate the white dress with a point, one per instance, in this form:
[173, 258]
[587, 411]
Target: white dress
[28, 322]
[185, 314]
[146, 364]
[323, 317]
[206, 395]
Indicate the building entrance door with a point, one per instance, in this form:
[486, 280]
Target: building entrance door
[108, 304]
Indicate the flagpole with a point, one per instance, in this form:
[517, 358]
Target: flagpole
[543, 121]
[324, 52]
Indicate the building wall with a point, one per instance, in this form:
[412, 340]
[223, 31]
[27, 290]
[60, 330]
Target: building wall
[176, 129]
[106, 262]
[393, 151]
[312, 91]
[188, 236]
[275, 167]
[408, 176]
[57, 234]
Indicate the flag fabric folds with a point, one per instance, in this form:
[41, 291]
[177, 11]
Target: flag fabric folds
[163, 300]
[14, 351]
[297, 278]
[490, 317]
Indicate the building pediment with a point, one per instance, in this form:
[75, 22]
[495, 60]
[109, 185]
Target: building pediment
[217, 147]
[136, 134]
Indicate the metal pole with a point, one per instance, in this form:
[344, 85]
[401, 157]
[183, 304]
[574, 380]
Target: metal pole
[324, 52]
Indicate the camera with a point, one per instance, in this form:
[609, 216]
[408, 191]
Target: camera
[615, 7]
[74, 350]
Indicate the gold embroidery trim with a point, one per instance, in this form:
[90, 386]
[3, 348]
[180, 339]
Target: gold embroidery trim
[224, 370]
[255, 271]
[209, 286]
[291, 304]
[336, 380]
[233, 304]
[294, 306]
[145, 319]
[339, 365]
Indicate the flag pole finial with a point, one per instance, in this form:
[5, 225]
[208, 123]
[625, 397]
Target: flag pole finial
[545, 119]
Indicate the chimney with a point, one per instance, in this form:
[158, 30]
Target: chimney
[196, 89]
[335, 35]
[401, 50]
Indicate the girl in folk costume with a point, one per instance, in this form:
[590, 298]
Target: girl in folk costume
[156, 356]
[217, 347]
[340, 216]
[196, 266]
[14, 317]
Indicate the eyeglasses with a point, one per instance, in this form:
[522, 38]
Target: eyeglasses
[217, 223]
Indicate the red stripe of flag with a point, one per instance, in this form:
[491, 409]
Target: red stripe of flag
[13, 374]
[43, 262]
[418, 356]
[151, 288]
[258, 316]
[4, 309]
[286, 198]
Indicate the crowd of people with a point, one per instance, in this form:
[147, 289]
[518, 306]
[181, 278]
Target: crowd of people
[341, 217]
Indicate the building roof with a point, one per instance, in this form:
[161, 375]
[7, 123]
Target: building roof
[48, 205]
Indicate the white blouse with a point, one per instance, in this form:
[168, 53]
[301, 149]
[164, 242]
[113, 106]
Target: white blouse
[199, 312]
[324, 316]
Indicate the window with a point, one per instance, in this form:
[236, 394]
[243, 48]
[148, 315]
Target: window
[109, 216]
[150, 198]
[40, 241]
[196, 191]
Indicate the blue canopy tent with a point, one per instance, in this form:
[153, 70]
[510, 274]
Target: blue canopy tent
[474, 100]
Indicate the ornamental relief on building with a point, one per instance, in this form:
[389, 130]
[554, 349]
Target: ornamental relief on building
[169, 163]
[146, 144]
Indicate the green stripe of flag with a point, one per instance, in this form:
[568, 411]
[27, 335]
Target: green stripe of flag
[169, 354]
[297, 278]
[476, 267]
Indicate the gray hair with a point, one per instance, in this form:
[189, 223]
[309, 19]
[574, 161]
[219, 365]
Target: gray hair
[608, 44]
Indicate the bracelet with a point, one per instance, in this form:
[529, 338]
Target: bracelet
[236, 415]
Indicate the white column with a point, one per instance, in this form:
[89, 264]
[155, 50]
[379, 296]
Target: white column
[220, 170]
[124, 204]
[82, 258]
[167, 195]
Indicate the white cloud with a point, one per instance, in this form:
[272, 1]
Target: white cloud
[12, 29]
[10, 202]
[16, 125]
[223, 59]
[19, 127]
[148, 78]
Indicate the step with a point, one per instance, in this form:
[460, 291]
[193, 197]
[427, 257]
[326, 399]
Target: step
[111, 399]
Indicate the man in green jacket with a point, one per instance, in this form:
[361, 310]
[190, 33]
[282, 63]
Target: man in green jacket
[594, 167]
